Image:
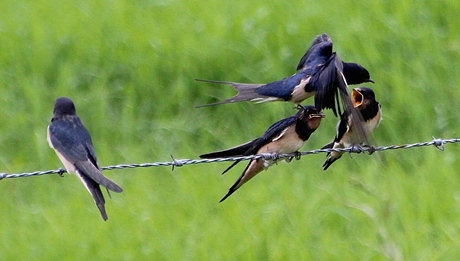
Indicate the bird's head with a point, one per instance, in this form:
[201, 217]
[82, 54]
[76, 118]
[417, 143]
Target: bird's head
[64, 106]
[362, 96]
[311, 115]
[356, 74]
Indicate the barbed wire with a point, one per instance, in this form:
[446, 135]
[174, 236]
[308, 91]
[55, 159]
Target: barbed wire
[438, 143]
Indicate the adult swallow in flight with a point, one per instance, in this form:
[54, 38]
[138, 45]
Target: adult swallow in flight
[285, 136]
[321, 73]
[318, 39]
[371, 114]
[73, 145]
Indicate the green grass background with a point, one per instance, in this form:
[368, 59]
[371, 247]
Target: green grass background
[130, 68]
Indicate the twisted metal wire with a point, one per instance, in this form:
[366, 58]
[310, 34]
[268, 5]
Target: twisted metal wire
[438, 143]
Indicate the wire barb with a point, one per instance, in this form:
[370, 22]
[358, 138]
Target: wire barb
[176, 162]
[438, 143]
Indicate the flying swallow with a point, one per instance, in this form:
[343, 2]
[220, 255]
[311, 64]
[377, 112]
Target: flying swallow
[285, 136]
[371, 114]
[71, 140]
[320, 73]
[318, 39]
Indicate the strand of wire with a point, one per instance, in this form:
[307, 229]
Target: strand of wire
[438, 143]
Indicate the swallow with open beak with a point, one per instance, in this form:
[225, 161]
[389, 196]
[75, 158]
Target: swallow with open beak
[320, 73]
[285, 136]
[72, 143]
[370, 111]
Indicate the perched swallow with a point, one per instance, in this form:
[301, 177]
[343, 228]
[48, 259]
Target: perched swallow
[321, 74]
[73, 145]
[371, 114]
[285, 136]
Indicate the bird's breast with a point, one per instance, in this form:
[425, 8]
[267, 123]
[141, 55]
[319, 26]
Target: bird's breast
[48, 137]
[69, 166]
[299, 94]
[370, 125]
[287, 142]
[351, 137]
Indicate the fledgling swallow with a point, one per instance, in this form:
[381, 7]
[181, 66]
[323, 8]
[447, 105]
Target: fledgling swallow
[321, 73]
[72, 142]
[285, 136]
[371, 114]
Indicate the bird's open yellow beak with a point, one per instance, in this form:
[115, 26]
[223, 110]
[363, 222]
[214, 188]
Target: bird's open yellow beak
[357, 97]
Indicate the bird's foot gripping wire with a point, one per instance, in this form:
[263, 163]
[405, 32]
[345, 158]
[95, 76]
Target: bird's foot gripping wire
[61, 172]
[270, 158]
[297, 156]
[360, 149]
[371, 150]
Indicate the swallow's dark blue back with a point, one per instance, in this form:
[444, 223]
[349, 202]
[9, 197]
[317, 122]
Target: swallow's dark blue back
[320, 39]
[72, 139]
[313, 65]
[318, 54]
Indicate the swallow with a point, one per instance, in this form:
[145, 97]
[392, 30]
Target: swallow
[370, 111]
[318, 39]
[285, 136]
[320, 73]
[72, 143]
